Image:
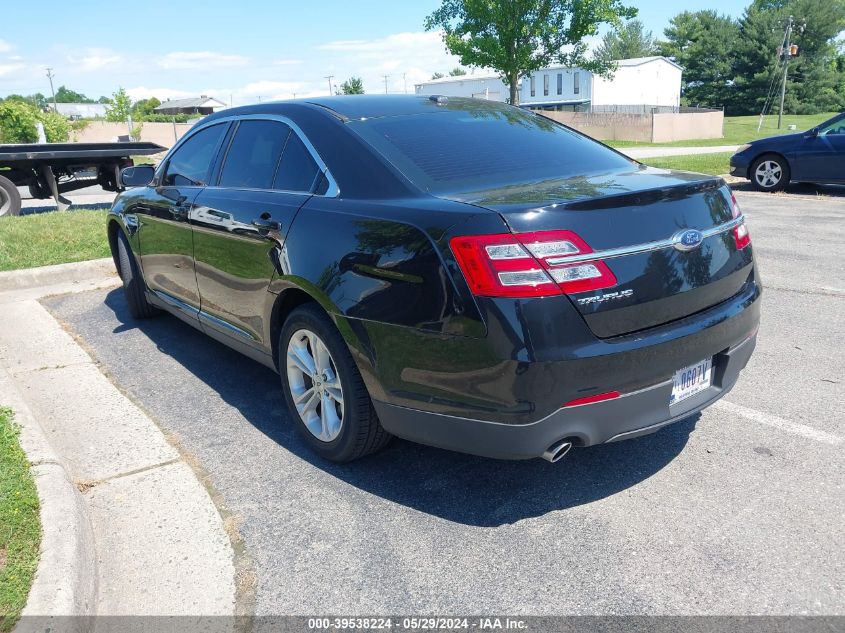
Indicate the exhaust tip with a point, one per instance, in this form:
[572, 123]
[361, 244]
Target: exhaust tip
[556, 451]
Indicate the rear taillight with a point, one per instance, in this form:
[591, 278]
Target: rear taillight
[517, 264]
[741, 235]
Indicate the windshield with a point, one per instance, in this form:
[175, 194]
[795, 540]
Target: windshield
[474, 145]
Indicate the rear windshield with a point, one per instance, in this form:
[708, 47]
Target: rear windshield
[480, 145]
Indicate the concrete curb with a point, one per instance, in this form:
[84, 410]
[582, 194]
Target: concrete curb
[66, 580]
[94, 269]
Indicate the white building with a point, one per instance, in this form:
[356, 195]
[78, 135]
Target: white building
[80, 110]
[638, 84]
[487, 86]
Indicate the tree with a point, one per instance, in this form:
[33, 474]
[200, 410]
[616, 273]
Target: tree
[626, 42]
[516, 37]
[813, 83]
[702, 42]
[120, 107]
[66, 95]
[144, 108]
[457, 71]
[352, 86]
[438, 76]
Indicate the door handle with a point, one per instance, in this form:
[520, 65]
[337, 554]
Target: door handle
[179, 211]
[266, 224]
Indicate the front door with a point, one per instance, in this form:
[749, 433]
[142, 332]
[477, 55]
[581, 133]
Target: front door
[240, 225]
[822, 157]
[165, 238]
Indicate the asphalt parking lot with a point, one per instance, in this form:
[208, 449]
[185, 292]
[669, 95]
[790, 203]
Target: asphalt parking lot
[736, 511]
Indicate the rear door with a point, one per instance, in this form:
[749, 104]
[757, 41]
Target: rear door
[240, 224]
[165, 239]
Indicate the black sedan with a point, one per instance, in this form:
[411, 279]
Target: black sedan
[815, 156]
[456, 272]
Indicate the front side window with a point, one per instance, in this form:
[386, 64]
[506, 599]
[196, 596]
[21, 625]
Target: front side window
[533, 87]
[191, 162]
[576, 85]
[297, 169]
[560, 83]
[545, 85]
[253, 156]
[835, 127]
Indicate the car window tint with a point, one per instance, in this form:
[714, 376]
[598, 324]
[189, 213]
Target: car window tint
[836, 126]
[254, 154]
[462, 148]
[297, 170]
[190, 163]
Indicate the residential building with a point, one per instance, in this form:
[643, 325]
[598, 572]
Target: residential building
[201, 106]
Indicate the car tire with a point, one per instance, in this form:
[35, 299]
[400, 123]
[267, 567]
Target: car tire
[769, 172]
[329, 402]
[134, 287]
[10, 197]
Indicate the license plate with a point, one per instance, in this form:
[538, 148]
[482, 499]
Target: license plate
[691, 380]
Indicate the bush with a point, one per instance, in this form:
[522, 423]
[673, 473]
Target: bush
[18, 121]
[56, 127]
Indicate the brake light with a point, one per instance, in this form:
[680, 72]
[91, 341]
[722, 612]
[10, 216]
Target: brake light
[741, 235]
[528, 264]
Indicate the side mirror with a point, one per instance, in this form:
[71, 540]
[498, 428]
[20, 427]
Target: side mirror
[812, 133]
[137, 175]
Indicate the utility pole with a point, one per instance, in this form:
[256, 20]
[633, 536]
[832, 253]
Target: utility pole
[786, 53]
[329, 77]
[385, 83]
[405, 83]
[50, 76]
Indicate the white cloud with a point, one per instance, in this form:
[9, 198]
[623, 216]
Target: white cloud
[162, 94]
[8, 69]
[89, 59]
[5, 47]
[406, 58]
[287, 62]
[200, 60]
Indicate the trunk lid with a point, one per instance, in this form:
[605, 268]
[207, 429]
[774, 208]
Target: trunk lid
[633, 216]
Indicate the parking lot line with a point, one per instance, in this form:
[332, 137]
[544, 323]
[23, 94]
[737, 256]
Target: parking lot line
[779, 423]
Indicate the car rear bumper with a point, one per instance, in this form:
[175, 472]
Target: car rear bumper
[631, 415]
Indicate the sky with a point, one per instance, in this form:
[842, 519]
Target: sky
[237, 51]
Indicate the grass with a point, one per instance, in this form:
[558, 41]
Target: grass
[717, 164]
[20, 526]
[741, 129]
[56, 237]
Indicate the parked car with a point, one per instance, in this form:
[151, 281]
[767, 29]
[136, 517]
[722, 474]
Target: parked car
[457, 272]
[815, 156]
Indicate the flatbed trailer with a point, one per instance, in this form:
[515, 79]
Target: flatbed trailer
[52, 169]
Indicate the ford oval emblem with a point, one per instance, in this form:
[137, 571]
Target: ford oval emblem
[687, 240]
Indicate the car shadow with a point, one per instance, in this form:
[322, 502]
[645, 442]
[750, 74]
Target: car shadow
[799, 188]
[461, 488]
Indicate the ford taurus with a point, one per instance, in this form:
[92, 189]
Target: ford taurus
[456, 272]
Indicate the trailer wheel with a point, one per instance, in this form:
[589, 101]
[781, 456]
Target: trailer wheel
[10, 198]
[37, 191]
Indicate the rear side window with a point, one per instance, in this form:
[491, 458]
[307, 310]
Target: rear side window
[190, 163]
[253, 156]
[297, 169]
[473, 146]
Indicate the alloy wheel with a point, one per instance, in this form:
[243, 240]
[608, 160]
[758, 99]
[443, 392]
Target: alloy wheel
[315, 385]
[768, 173]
